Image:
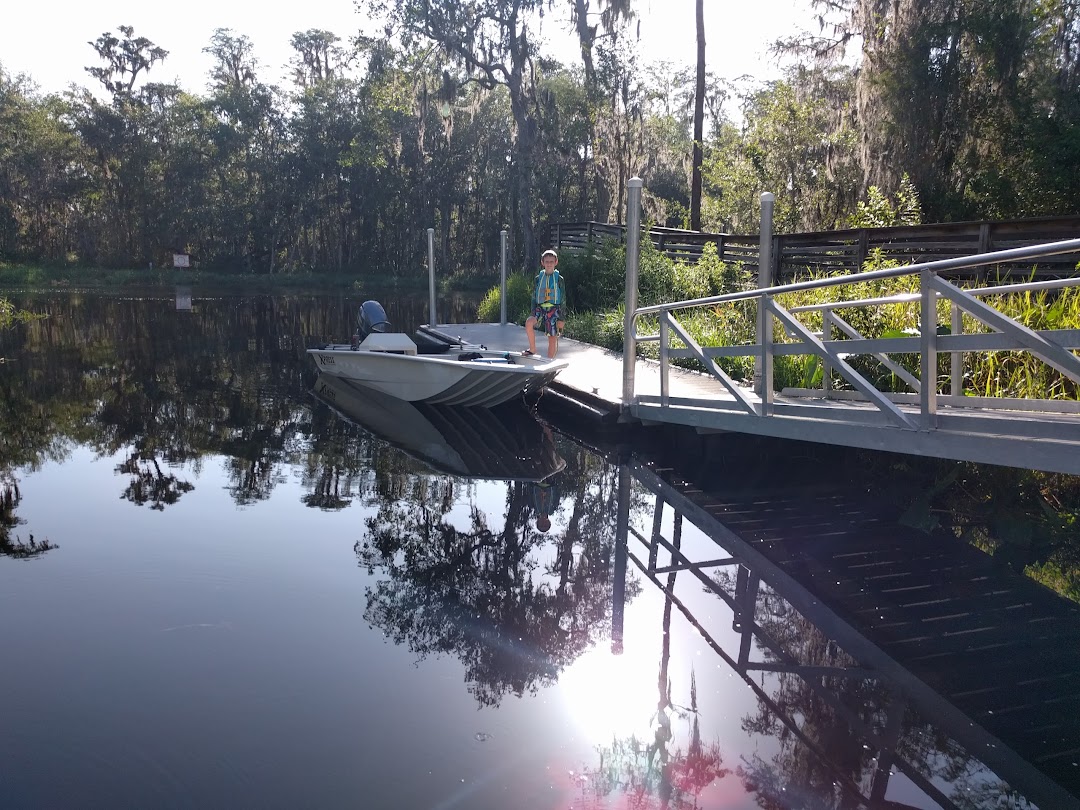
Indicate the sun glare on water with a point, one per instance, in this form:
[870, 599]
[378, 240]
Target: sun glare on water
[609, 695]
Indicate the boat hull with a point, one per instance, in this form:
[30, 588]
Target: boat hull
[490, 380]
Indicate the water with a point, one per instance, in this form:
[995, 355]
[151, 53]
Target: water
[235, 595]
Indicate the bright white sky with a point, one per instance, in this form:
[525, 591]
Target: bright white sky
[47, 39]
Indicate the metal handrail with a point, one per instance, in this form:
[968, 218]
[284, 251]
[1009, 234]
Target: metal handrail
[1014, 335]
[995, 257]
[980, 292]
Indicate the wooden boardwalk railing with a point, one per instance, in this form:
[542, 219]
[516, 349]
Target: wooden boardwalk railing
[846, 251]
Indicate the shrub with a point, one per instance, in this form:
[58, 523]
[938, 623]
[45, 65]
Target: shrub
[518, 301]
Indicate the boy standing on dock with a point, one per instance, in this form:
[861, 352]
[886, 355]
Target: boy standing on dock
[547, 303]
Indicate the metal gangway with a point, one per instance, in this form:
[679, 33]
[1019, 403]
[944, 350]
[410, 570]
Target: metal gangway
[937, 419]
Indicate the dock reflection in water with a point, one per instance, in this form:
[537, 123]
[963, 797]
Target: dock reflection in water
[855, 728]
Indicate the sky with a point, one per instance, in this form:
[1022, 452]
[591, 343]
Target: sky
[48, 39]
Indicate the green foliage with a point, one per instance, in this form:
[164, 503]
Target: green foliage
[878, 211]
[1065, 579]
[599, 328]
[9, 316]
[595, 280]
[797, 142]
[600, 321]
[518, 301]
[1019, 374]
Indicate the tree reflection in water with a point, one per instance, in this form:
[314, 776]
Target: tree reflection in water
[655, 775]
[148, 484]
[482, 593]
[16, 547]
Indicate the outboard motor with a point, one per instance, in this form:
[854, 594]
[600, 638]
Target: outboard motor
[371, 318]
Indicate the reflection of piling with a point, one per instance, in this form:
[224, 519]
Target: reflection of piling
[887, 751]
[618, 587]
[183, 299]
[744, 605]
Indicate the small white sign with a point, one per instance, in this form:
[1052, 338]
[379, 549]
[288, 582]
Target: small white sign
[181, 260]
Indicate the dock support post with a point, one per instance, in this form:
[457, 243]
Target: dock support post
[431, 276]
[633, 248]
[826, 366]
[764, 279]
[622, 537]
[928, 345]
[956, 365]
[502, 277]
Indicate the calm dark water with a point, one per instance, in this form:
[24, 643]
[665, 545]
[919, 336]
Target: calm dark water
[218, 589]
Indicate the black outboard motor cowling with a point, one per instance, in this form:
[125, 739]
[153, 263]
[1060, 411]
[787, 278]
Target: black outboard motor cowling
[371, 318]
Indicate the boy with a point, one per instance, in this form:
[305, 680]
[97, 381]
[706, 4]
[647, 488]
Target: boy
[547, 303]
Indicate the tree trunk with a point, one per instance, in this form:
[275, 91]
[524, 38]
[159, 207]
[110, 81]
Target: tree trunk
[699, 122]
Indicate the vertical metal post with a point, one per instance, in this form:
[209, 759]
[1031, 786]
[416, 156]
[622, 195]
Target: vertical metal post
[633, 253]
[957, 360]
[886, 754]
[766, 390]
[502, 277]
[431, 276]
[618, 585]
[928, 367]
[826, 366]
[764, 279]
[664, 362]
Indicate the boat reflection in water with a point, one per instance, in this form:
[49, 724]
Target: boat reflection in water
[499, 444]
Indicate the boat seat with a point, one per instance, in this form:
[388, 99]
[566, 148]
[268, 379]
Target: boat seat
[427, 345]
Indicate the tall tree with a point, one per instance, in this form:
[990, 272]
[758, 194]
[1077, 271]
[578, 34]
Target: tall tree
[608, 20]
[699, 122]
[796, 140]
[495, 42]
[318, 57]
[612, 15]
[124, 59]
[968, 97]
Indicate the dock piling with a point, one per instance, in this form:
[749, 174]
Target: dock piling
[633, 252]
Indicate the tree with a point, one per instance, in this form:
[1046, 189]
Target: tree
[9, 316]
[974, 99]
[42, 182]
[494, 41]
[699, 122]
[613, 13]
[318, 57]
[124, 59]
[798, 141]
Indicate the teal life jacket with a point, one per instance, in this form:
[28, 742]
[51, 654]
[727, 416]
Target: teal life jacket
[548, 289]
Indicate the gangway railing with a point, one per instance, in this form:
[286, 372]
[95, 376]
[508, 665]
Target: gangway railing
[836, 341]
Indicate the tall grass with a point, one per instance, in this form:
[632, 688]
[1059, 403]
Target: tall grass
[990, 374]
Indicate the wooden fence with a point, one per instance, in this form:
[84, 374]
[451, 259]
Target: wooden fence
[835, 252]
